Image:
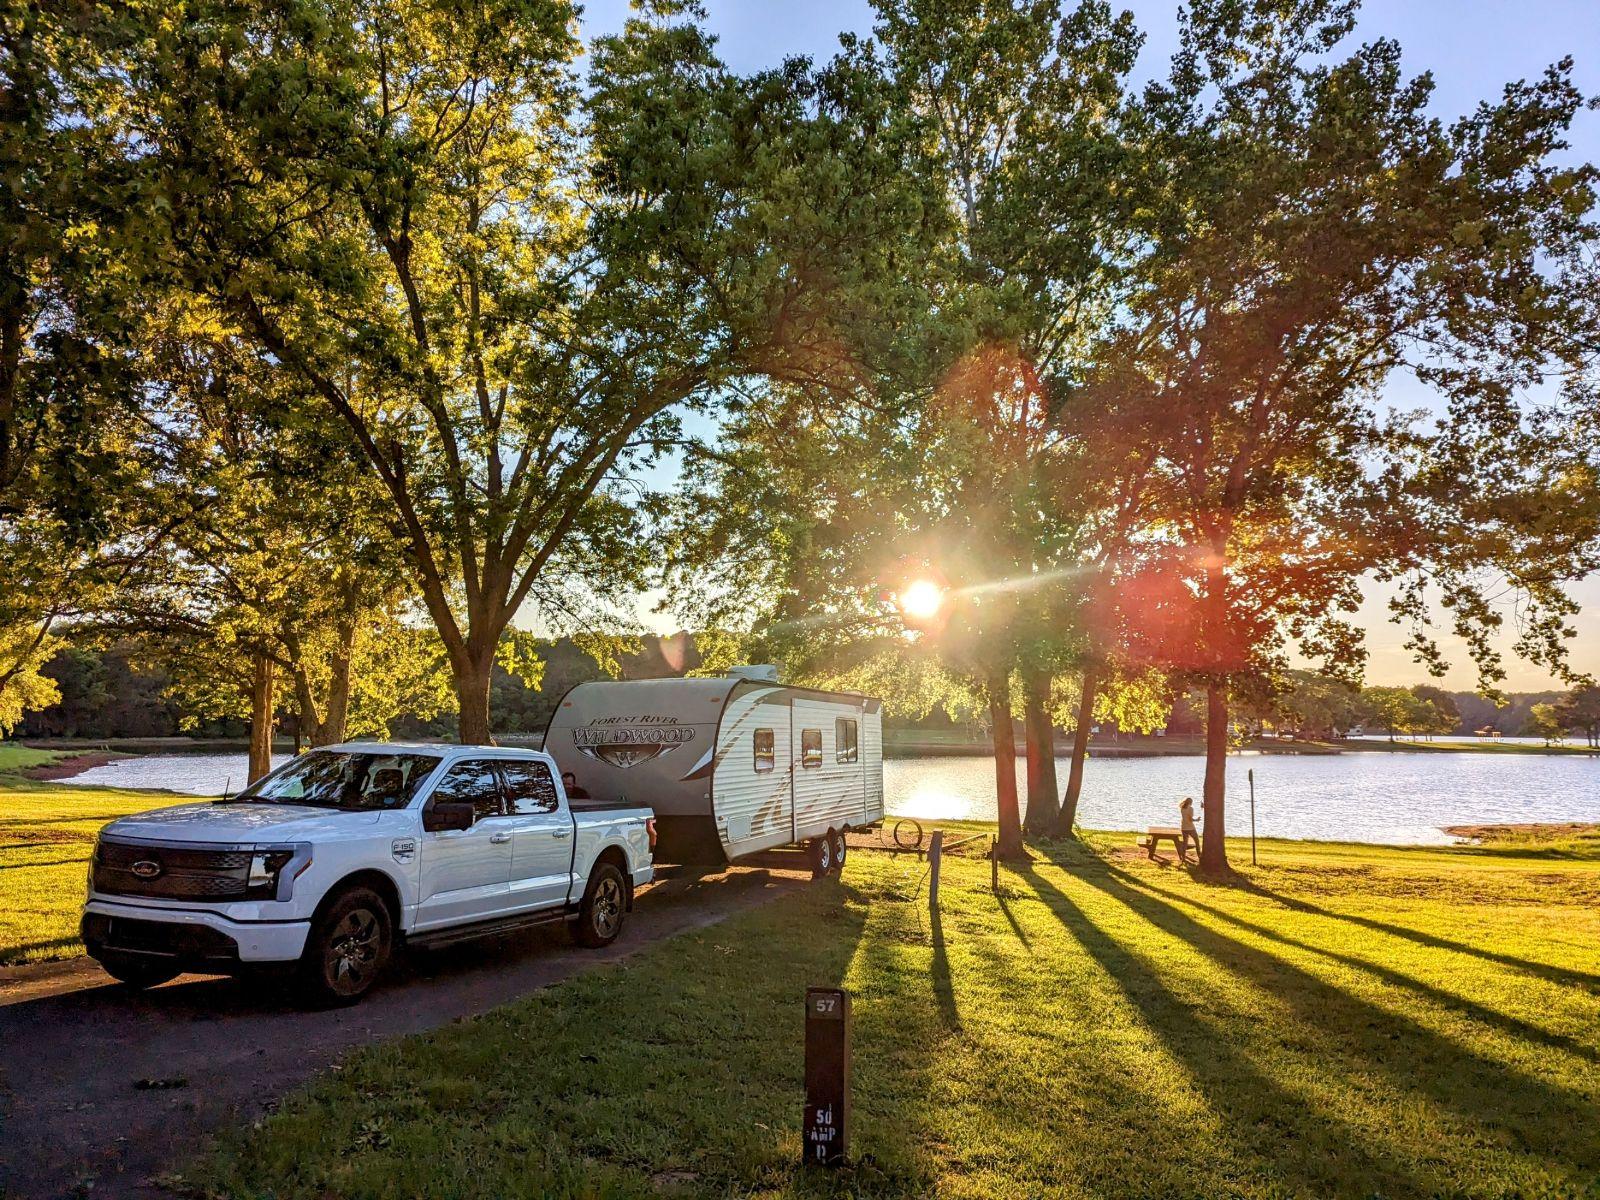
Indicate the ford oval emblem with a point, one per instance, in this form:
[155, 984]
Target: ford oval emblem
[145, 869]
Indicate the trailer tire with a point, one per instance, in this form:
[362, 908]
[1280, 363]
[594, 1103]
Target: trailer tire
[840, 849]
[600, 915]
[820, 851]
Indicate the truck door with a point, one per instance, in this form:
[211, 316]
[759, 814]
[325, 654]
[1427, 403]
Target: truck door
[466, 873]
[542, 835]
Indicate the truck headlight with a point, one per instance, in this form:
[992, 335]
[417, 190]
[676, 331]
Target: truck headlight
[265, 868]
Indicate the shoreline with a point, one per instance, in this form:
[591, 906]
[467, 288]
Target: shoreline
[69, 765]
[1522, 831]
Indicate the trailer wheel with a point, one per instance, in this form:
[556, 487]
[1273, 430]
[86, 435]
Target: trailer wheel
[839, 848]
[820, 851]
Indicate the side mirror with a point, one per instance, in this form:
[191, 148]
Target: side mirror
[447, 815]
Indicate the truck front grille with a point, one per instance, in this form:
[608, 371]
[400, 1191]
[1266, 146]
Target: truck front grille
[191, 943]
[170, 872]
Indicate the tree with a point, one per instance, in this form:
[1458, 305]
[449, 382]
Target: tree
[962, 461]
[531, 274]
[278, 573]
[1310, 231]
[1022, 97]
[1580, 709]
[1442, 715]
[26, 687]
[1315, 706]
[1544, 721]
[65, 377]
[1396, 709]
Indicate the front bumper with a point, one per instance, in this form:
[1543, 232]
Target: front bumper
[194, 940]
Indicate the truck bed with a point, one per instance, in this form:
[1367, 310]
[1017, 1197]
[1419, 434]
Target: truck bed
[587, 806]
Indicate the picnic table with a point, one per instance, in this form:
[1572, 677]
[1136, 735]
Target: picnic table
[1157, 834]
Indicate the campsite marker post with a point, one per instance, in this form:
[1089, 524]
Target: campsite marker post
[1252, 774]
[825, 1132]
[935, 857]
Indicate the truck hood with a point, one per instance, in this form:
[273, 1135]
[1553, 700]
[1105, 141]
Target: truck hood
[212, 823]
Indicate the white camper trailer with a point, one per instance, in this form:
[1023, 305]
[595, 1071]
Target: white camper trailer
[731, 765]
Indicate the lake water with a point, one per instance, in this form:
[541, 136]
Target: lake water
[1397, 798]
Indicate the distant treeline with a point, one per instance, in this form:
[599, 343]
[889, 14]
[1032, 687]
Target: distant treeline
[123, 691]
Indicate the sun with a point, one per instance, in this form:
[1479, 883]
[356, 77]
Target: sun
[921, 600]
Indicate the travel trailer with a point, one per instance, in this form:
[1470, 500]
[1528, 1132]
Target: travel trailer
[732, 765]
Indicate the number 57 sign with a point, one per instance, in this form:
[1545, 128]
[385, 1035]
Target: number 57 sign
[825, 1132]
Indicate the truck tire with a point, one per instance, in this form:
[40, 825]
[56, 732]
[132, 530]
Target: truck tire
[135, 970]
[600, 915]
[840, 850]
[820, 851]
[348, 948]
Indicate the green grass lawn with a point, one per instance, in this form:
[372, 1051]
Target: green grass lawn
[47, 832]
[1341, 1021]
[15, 757]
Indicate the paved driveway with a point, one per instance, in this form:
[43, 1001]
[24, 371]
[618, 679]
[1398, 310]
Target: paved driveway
[79, 1054]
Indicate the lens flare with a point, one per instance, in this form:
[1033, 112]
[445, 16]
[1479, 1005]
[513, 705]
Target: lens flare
[921, 600]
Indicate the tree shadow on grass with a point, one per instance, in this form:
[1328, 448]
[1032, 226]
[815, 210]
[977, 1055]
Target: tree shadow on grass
[1469, 1008]
[1368, 1038]
[1017, 929]
[18, 955]
[1565, 976]
[1259, 1117]
[54, 862]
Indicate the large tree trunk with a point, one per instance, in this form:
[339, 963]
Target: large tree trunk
[1213, 850]
[260, 718]
[1005, 768]
[1080, 752]
[1042, 814]
[331, 729]
[472, 695]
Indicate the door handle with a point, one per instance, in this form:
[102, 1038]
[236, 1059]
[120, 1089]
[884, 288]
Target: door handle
[499, 839]
[560, 833]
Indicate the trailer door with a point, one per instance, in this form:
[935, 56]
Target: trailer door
[813, 762]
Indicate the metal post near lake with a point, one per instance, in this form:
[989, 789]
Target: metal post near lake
[1252, 774]
[935, 856]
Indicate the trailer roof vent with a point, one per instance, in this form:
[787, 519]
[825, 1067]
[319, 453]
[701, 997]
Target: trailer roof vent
[761, 672]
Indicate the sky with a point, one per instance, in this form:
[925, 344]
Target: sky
[1472, 47]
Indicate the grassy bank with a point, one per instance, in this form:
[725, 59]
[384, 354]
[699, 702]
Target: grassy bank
[47, 832]
[1345, 1020]
[914, 743]
[1447, 746]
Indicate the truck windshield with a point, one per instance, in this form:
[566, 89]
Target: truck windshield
[344, 780]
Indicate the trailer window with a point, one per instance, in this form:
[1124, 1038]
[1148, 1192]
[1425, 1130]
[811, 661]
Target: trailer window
[845, 746]
[766, 751]
[810, 748]
[529, 787]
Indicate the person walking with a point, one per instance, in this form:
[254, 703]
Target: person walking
[1189, 829]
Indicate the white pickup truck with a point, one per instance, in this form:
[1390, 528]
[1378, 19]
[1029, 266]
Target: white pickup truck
[340, 854]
